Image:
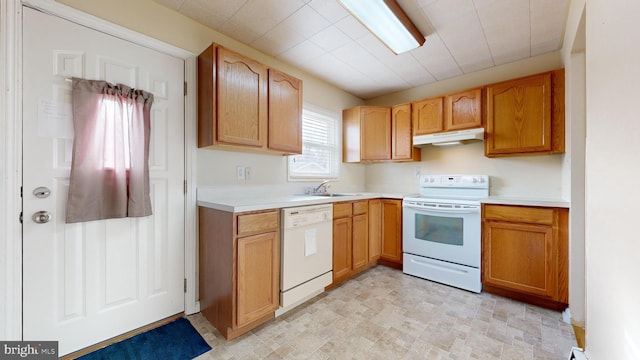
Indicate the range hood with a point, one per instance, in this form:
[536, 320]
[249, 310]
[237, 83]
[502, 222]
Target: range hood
[449, 137]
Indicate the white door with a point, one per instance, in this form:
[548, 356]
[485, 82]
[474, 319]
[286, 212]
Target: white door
[88, 282]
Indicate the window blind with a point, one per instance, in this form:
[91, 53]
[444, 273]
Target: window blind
[320, 150]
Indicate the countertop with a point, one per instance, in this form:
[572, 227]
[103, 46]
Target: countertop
[526, 201]
[255, 203]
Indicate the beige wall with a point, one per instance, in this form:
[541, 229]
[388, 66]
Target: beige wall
[573, 53]
[218, 168]
[612, 171]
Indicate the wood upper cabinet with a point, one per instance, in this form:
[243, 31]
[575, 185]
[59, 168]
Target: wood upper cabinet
[285, 112]
[525, 253]
[391, 230]
[239, 268]
[427, 116]
[463, 110]
[241, 100]
[244, 105]
[366, 134]
[525, 116]
[378, 133]
[401, 134]
[458, 111]
[375, 133]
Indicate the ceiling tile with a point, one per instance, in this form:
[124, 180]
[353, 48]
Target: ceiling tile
[321, 37]
[277, 40]
[436, 58]
[548, 22]
[330, 9]
[445, 13]
[352, 27]
[337, 72]
[173, 4]
[240, 31]
[508, 37]
[259, 16]
[302, 54]
[330, 38]
[211, 13]
[413, 9]
[306, 22]
[458, 25]
[357, 57]
[301, 25]
[404, 65]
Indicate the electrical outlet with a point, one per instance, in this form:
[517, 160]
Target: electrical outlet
[247, 173]
[240, 173]
[417, 172]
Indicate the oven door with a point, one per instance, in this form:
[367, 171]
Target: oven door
[449, 232]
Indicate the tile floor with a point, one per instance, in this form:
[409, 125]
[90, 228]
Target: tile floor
[385, 314]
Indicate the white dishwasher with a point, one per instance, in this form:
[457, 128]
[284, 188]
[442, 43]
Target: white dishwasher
[307, 254]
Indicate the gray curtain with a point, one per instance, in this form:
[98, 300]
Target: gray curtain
[110, 164]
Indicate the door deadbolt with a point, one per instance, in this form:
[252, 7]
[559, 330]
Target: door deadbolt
[41, 217]
[41, 192]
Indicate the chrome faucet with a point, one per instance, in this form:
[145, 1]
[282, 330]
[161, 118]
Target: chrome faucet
[323, 185]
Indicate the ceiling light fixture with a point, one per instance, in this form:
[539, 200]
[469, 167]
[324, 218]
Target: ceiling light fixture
[388, 22]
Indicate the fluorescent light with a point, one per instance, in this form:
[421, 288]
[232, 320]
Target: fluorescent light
[388, 22]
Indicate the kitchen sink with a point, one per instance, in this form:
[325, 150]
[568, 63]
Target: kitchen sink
[335, 194]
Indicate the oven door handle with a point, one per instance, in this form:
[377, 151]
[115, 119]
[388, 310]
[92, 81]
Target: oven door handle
[467, 210]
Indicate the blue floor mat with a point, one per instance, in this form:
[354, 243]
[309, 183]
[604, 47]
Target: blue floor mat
[174, 341]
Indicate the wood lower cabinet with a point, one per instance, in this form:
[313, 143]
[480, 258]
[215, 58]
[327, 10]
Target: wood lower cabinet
[239, 267]
[525, 253]
[342, 242]
[350, 239]
[391, 232]
[375, 229]
[360, 228]
[525, 116]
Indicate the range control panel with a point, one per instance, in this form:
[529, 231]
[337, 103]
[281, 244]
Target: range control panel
[457, 181]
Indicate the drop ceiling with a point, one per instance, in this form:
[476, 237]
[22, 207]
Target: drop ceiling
[322, 38]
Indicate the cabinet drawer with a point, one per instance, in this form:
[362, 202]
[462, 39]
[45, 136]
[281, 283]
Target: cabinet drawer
[360, 207]
[532, 215]
[257, 223]
[341, 210]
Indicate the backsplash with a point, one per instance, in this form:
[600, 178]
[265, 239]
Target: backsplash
[520, 176]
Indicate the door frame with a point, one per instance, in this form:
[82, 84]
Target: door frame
[11, 151]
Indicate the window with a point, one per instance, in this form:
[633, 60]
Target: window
[320, 158]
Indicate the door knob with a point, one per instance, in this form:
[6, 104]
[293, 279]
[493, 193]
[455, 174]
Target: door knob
[41, 217]
[41, 192]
